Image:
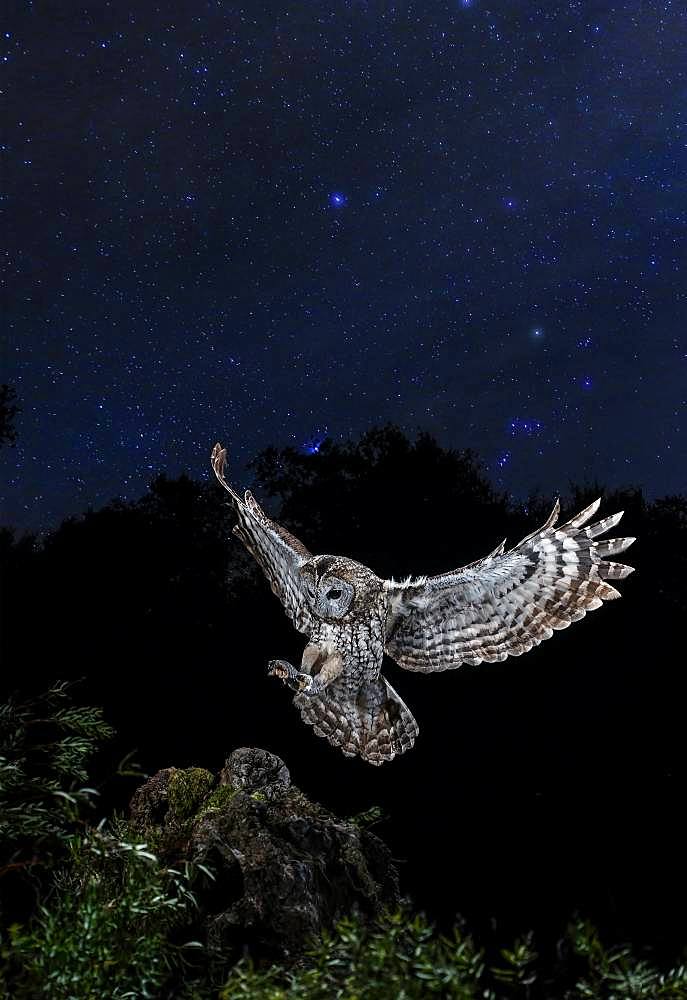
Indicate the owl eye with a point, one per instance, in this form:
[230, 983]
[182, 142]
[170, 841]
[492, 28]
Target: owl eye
[332, 595]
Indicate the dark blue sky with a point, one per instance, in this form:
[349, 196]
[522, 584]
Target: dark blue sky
[260, 223]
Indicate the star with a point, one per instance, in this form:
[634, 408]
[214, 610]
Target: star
[337, 199]
[526, 427]
[312, 445]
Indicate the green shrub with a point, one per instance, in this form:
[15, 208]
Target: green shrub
[45, 746]
[618, 974]
[403, 958]
[105, 930]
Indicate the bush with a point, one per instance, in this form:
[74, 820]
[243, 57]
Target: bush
[46, 744]
[105, 930]
[404, 958]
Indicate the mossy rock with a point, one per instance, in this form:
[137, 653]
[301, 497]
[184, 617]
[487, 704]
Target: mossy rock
[218, 800]
[187, 791]
[285, 868]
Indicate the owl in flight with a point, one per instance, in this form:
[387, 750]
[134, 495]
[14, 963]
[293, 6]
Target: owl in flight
[499, 606]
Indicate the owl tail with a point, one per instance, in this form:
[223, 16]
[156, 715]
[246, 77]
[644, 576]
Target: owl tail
[372, 723]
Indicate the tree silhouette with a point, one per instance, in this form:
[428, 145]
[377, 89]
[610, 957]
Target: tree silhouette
[401, 506]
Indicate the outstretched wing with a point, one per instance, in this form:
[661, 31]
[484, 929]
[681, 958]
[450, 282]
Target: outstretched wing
[279, 554]
[506, 603]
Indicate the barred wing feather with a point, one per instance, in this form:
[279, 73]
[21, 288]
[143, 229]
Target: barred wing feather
[279, 554]
[506, 603]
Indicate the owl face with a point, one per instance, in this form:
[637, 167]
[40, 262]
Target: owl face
[337, 587]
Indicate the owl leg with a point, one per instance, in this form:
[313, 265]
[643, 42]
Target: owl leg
[305, 683]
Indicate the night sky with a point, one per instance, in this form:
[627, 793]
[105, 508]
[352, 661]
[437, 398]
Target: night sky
[264, 223]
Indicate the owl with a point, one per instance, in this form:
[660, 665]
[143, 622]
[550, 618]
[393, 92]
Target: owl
[499, 606]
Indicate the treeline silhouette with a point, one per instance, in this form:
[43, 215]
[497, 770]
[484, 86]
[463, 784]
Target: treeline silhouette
[538, 787]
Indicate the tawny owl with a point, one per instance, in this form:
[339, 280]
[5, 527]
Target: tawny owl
[499, 606]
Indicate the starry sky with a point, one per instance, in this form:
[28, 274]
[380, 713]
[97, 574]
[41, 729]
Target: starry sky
[265, 223]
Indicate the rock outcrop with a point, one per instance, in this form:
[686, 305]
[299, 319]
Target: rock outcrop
[285, 868]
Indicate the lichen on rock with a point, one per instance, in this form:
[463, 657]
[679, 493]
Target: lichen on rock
[285, 868]
[188, 788]
[217, 800]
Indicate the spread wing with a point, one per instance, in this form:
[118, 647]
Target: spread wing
[508, 602]
[279, 554]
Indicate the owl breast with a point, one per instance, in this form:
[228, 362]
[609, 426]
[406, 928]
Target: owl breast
[360, 644]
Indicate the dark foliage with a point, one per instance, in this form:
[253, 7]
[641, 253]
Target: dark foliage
[403, 956]
[46, 745]
[537, 786]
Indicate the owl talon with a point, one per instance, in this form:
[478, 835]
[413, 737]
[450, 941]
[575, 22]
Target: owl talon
[280, 669]
[295, 679]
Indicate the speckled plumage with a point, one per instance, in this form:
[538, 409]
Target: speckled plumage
[499, 606]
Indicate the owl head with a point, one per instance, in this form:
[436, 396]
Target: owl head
[339, 588]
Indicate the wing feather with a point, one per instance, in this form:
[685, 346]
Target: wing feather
[508, 602]
[279, 554]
